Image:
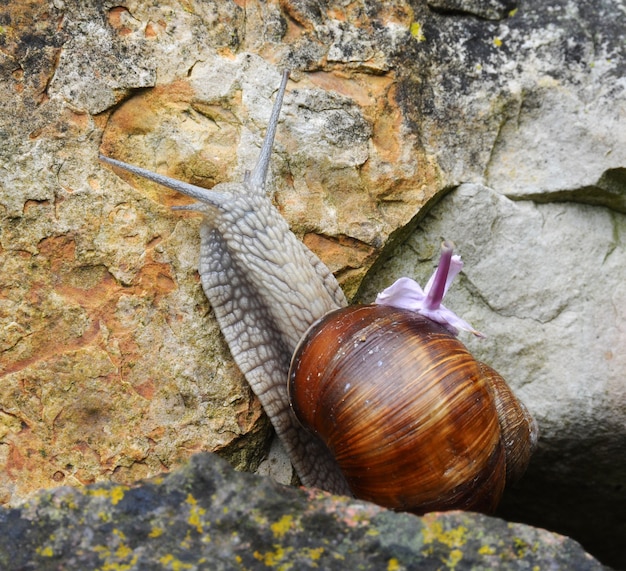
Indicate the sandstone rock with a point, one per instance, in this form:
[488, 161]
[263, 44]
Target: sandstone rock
[112, 368]
[205, 516]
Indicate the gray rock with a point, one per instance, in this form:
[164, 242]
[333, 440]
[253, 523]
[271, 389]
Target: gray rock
[206, 516]
[528, 105]
[545, 283]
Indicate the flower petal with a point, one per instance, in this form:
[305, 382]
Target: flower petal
[436, 286]
[406, 293]
[450, 320]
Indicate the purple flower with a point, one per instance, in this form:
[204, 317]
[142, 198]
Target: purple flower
[407, 294]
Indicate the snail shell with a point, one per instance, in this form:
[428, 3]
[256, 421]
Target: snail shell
[413, 420]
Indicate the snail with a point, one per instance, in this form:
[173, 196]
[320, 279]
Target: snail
[438, 429]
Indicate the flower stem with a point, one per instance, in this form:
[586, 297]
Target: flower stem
[438, 287]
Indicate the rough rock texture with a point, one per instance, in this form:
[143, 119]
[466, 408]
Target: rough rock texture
[552, 332]
[206, 516]
[111, 364]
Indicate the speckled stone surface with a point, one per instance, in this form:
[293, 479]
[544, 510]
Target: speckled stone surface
[206, 516]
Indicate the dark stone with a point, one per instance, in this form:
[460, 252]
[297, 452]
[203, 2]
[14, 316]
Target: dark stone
[488, 9]
[207, 516]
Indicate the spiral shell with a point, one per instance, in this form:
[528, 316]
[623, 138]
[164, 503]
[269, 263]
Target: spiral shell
[409, 415]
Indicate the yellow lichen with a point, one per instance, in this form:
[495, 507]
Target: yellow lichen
[273, 558]
[486, 550]
[195, 514]
[393, 564]
[455, 556]
[313, 553]
[156, 532]
[69, 503]
[497, 42]
[117, 494]
[194, 518]
[123, 551]
[114, 562]
[104, 516]
[103, 551]
[171, 562]
[454, 537]
[417, 31]
[521, 547]
[282, 526]
[46, 551]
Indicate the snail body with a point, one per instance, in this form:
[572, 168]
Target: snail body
[273, 298]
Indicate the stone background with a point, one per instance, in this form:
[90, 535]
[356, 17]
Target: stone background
[496, 124]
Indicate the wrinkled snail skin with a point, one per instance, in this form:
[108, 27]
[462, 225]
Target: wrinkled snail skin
[265, 288]
[428, 428]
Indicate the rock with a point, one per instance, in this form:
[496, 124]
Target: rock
[489, 9]
[205, 515]
[112, 364]
[552, 332]
[112, 367]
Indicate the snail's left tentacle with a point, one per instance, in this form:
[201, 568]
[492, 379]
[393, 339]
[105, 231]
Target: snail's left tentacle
[212, 197]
